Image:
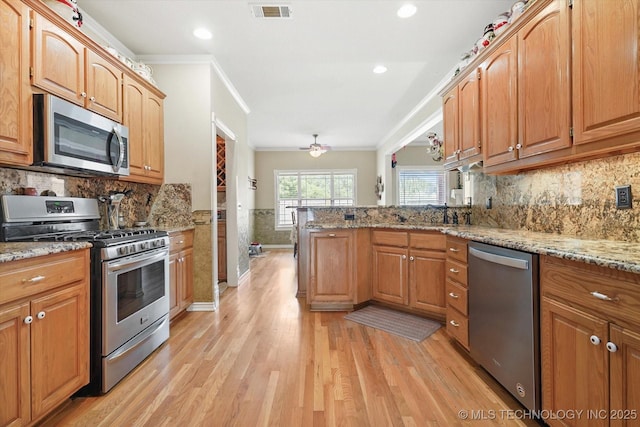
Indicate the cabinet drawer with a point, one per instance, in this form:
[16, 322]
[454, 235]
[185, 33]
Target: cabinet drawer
[433, 241]
[457, 249]
[389, 238]
[26, 277]
[458, 327]
[456, 297]
[575, 282]
[180, 241]
[456, 272]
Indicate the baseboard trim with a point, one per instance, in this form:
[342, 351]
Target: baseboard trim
[202, 306]
[277, 246]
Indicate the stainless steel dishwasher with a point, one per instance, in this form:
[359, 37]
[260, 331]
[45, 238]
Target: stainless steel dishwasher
[504, 318]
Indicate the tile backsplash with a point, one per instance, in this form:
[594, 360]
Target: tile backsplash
[576, 199]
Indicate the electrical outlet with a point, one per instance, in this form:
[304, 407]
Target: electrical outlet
[623, 197]
[489, 203]
[349, 217]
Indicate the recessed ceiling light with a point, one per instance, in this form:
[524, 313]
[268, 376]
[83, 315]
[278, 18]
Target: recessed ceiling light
[379, 69]
[202, 33]
[407, 10]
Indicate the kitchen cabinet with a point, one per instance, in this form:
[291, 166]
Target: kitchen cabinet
[331, 268]
[461, 121]
[64, 66]
[526, 90]
[180, 272]
[222, 251]
[15, 120]
[44, 328]
[408, 270]
[143, 115]
[457, 313]
[606, 72]
[590, 342]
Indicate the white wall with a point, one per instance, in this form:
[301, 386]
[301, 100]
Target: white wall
[268, 161]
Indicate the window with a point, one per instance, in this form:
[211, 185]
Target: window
[421, 186]
[312, 188]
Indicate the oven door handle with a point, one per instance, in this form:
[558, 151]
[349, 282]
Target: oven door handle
[138, 262]
[134, 343]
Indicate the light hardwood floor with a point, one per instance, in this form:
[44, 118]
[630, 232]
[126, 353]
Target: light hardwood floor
[264, 359]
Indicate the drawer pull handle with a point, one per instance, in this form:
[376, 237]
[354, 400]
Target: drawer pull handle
[453, 270]
[603, 297]
[454, 296]
[612, 347]
[41, 315]
[35, 279]
[594, 340]
[28, 320]
[454, 250]
[454, 323]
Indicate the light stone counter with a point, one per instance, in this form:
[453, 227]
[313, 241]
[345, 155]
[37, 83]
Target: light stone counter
[624, 256]
[14, 251]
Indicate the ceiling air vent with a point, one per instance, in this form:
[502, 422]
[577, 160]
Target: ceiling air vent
[271, 11]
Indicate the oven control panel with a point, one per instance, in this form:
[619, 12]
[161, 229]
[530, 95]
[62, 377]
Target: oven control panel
[59, 207]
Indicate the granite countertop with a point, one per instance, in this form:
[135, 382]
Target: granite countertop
[13, 251]
[176, 229]
[624, 256]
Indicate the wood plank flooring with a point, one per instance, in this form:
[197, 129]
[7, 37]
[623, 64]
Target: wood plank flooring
[263, 359]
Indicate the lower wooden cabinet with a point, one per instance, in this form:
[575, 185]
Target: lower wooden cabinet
[180, 272]
[44, 334]
[331, 269]
[456, 290]
[409, 269]
[590, 343]
[222, 251]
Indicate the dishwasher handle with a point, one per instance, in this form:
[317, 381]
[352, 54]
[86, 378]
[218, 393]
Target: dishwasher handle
[500, 259]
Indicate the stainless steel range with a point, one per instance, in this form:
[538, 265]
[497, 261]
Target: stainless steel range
[129, 279]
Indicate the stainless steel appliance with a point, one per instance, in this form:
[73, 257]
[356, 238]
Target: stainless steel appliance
[74, 140]
[129, 279]
[504, 318]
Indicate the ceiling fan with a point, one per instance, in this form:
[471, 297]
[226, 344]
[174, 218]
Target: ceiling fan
[315, 149]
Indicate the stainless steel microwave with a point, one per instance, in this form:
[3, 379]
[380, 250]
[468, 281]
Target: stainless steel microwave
[73, 140]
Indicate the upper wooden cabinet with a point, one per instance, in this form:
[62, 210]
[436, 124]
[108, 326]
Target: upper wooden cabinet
[606, 69]
[526, 91]
[143, 115]
[15, 91]
[64, 66]
[461, 111]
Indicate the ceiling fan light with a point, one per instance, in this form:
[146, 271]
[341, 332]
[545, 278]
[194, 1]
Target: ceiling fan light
[315, 153]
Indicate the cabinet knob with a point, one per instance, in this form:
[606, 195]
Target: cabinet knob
[518, 146]
[41, 315]
[454, 271]
[411, 258]
[404, 257]
[454, 296]
[454, 323]
[28, 320]
[612, 347]
[510, 148]
[83, 94]
[93, 98]
[603, 297]
[34, 279]
[594, 340]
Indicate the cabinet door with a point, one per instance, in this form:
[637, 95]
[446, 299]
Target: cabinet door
[450, 126]
[469, 116]
[60, 346]
[575, 372]
[331, 266]
[500, 104]
[186, 278]
[544, 96]
[104, 87]
[174, 285]
[427, 281]
[15, 89]
[58, 61]
[133, 101]
[154, 137]
[606, 68]
[625, 375]
[222, 251]
[14, 370]
[390, 274]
